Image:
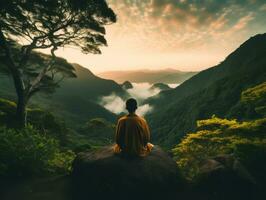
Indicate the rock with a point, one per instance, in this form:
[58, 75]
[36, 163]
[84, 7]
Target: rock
[224, 177]
[101, 174]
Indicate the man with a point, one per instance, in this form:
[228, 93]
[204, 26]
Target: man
[132, 133]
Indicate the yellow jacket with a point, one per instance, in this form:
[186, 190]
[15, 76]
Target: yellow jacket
[132, 136]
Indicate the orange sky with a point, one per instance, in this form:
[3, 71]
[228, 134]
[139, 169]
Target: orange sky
[181, 34]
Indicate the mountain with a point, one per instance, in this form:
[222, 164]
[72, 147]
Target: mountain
[160, 86]
[215, 91]
[76, 100]
[127, 85]
[166, 76]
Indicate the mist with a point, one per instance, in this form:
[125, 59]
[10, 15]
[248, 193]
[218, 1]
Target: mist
[140, 91]
[173, 85]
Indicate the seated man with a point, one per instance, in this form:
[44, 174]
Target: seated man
[132, 133]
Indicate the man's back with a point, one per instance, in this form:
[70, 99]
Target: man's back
[132, 135]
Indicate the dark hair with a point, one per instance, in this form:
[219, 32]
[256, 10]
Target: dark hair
[131, 105]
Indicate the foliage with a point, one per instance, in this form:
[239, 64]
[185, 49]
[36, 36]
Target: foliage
[26, 152]
[256, 97]
[45, 122]
[48, 124]
[217, 136]
[99, 130]
[47, 25]
[216, 90]
[75, 107]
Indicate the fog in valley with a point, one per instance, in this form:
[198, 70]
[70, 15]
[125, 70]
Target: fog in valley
[140, 91]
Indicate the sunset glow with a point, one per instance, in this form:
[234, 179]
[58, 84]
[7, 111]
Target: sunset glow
[181, 34]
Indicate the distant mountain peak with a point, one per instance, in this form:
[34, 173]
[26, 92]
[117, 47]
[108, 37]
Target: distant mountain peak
[167, 76]
[127, 85]
[160, 86]
[248, 50]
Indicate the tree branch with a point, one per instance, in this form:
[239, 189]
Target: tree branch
[37, 80]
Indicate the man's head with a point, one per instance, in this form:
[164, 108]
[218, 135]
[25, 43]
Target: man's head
[131, 105]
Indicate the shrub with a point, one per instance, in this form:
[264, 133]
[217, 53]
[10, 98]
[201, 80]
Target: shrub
[42, 120]
[99, 130]
[27, 153]
[217, 136]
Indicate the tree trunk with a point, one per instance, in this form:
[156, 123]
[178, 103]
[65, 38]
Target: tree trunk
[21, 113]
[18, 82]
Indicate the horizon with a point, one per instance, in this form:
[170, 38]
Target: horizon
[144, 70]
[184, 35]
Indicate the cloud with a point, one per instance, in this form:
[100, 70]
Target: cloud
[144, 109]
[140, 91]
[113, 103]
[173, 85]
[167, 25]
[186, 34]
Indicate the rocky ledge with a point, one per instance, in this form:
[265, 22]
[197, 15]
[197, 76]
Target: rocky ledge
[102, 174]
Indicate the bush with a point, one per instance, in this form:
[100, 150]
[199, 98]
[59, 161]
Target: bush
[217, 136]
[99, 130]
[43, 121]
[47, 123]
[27, 153]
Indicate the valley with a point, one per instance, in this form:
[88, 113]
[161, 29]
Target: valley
[154, 99]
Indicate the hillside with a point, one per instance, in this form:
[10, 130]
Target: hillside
[160, 86]
[216, 90]
[166, 76]
[76, 101]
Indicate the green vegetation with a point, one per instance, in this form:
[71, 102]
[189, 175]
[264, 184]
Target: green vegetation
[256, 97]
[79, 24]
[36, 150]
[246, 140]
[71, 121]
[27, 152]
[100, 130]
[75, 107]
[217, 90]
[215, 136]
[43, 121]
[46, 146]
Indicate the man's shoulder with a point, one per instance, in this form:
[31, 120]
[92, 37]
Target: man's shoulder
[142, 119]
[122, 118]
[136, 117]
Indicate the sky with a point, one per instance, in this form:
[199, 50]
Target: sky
[189, 35]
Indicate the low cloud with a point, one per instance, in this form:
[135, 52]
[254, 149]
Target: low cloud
[113, 103]
[144, 109]
[173, 85]
[140, 91]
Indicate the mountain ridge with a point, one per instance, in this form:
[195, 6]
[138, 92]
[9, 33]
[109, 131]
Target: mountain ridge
[213, 91]
[166, 76]
[76, 100]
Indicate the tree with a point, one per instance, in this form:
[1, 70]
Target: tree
[47, 24]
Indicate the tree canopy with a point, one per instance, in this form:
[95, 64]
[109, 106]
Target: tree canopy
[28, 25]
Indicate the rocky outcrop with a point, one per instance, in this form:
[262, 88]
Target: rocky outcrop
[224, 178]
[102, 174]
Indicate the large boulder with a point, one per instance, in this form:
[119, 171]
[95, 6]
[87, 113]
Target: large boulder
[102, 174]
[224, 178]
